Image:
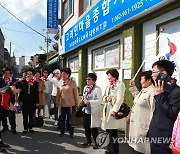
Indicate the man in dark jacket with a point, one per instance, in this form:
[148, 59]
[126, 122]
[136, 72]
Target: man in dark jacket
[29, 98]
[7, 80]
[167, 106]
[7, 98]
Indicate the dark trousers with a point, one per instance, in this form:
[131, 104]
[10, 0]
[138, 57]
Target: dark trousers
[88, 129]
[28, 112]
[113, 148]
[55, 108]
[65, 116]
[157, 149]
[12, 119]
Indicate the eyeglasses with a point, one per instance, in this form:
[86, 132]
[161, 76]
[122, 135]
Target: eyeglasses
[88, 79]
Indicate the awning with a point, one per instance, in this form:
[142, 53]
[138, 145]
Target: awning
[53, 61]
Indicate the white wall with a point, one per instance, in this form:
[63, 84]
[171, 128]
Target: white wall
[149, 36]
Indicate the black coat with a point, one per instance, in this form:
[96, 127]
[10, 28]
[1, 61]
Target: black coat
[167, 106]
[3, 83]
[29, 99]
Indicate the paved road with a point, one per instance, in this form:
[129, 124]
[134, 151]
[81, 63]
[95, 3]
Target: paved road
[45, 140]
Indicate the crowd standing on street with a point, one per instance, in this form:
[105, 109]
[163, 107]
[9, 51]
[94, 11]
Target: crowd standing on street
[155, 112]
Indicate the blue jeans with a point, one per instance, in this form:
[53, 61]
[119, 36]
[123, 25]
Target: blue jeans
[65, 116]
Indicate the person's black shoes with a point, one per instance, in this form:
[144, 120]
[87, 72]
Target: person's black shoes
[71, 136]
[25, 131]
[86, 144]
[2, 150]
[14, 131]
[95, 146]
[31, 130]
[4, 145]
[107, 152]
[4, 130]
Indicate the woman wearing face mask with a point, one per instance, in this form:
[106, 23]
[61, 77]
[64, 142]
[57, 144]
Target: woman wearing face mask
[92, 96]
[141, 112]
[113, 98]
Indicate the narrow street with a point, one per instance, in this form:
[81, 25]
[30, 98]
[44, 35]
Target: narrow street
[45, 140]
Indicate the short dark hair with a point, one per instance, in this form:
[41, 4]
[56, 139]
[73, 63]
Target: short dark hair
[31, 70]
[67, 71]
[114, 73]
[93, 76]
[6, 69]
[147, 75]
[18, 85]
[165, 65]
[37, 71]
[46, 70]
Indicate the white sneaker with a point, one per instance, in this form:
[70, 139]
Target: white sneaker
[56, 123]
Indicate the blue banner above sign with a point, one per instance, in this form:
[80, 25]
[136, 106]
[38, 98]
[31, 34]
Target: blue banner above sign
[105, 15]
[52, 16]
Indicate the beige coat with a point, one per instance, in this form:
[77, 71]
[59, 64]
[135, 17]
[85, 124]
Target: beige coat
[67, 96]
[42, 88]
[140, 118]
[117, 94]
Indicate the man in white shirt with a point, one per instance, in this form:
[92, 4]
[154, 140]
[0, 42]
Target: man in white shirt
[54, 78]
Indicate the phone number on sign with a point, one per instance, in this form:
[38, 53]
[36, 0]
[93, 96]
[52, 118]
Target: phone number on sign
[128, 11]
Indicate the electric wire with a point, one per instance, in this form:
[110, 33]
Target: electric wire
[21, 12]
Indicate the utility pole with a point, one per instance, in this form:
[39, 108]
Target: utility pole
[47, 40]
[10, 61]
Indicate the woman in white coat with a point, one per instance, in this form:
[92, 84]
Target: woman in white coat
[141, 113]
[92, 97]
[113, 98]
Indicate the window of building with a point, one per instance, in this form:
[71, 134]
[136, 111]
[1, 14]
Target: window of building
[73, 64]
[67, 9]
[86, 4]
[106, 57]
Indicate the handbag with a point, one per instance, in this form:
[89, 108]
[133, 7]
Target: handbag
[38, 121]
[52, 111]
[123, 111]
[18, 108]
[78, 110]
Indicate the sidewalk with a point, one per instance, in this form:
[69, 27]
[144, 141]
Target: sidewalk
[45, 140]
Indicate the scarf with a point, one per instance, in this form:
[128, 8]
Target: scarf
[44, 78]
[30, 81]
[112, 84]
[7, 80]
[65, 81]
[88, 89]
[58, 78]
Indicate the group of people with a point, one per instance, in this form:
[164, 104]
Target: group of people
[151, 119]
[153, 114]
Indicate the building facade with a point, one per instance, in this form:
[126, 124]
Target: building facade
[21, 63]
[97, 35]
